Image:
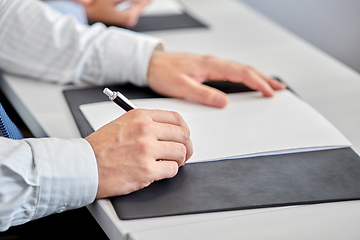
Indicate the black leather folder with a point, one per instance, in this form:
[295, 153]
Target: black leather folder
[166, 22]
[237, 184]
[156, 23]
[247, 183]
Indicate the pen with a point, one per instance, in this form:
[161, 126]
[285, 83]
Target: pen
[119, 99]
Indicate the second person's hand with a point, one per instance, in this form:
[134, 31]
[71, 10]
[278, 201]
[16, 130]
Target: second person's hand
[181, 75]
[106, 11]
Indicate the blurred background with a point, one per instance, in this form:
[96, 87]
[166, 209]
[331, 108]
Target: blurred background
[331, 25]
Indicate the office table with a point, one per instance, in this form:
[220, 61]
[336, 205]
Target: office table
[238, 33]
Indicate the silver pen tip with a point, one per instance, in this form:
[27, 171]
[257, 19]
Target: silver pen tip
[108, 92]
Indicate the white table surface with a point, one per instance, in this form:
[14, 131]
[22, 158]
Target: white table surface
[239, 33]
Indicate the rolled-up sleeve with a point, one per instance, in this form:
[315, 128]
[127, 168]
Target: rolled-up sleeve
[39, 177]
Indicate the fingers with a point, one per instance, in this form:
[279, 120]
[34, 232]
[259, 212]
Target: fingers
[181, 75]
[166, 126]
[107, 11]
[128, 150]
[275, 84]
[151, 151]
[255, 81]
[232, 71]
[165, 169]
[170, 151]
[168, 134]
[169, 117]
[204, 94]
[162, 126]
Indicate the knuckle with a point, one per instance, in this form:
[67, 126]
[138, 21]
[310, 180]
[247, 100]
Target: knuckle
[182, 150]
[145, 148]
[147, 169]
[181, 81]
[142, 184]
[144, 128]
[144, 170]
[137, 113]
[182, 124]
[177, 117]
[249, 67]
[206, 95]
[185, 134]
[248, 70]
[208, 59]
[245, 69]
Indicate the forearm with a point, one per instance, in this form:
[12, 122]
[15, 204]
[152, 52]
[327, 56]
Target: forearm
[38, 42]
[39, 177]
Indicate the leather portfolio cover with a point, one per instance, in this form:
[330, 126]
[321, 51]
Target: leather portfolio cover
[167, 22]
[156, 23]
[258, 182]
[236, 184]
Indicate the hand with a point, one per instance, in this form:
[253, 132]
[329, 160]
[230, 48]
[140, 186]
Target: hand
[181, 75]
[129, 149]
[106, 11]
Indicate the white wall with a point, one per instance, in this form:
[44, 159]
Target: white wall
[331, 25]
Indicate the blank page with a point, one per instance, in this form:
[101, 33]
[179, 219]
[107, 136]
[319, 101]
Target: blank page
[250, 125]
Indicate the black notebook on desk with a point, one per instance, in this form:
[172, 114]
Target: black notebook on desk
[180, 19]
[169, 22]
[268, 181]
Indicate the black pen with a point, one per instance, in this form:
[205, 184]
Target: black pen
[119, 99]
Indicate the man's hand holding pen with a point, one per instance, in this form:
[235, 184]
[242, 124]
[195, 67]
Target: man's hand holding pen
[129, 149]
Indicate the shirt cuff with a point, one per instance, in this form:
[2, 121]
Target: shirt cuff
[130, 61]
[71, 8]
[68, 174]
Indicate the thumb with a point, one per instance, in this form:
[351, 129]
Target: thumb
[206, 95]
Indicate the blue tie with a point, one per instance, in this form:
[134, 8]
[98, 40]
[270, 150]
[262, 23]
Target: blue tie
[7, 127]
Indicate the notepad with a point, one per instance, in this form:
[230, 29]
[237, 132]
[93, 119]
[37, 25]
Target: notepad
[157, 8]
[163, 8]
[250, 125]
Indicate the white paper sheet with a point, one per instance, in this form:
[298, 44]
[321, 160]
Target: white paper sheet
[249, 125]
[157, 7]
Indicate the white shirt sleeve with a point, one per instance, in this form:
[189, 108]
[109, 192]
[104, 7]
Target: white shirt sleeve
[39, 177]
[37, 41]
